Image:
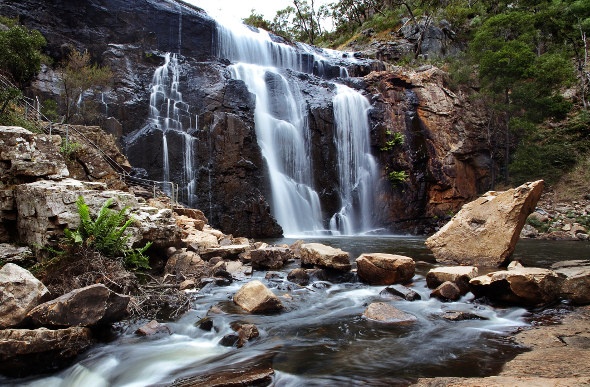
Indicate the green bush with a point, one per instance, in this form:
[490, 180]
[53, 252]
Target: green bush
[397, 177]
[106, 234]
[397, 139]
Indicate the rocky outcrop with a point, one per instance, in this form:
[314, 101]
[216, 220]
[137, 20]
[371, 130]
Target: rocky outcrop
[575, 285]
[522, 286]
[20, 292]
[317, 254]
[386, 313]
[25, 352]
[485, 231]
[254, 297]
[385, 269]
[89, 306]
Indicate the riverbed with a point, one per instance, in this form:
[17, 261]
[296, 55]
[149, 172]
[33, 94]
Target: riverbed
[321, 339]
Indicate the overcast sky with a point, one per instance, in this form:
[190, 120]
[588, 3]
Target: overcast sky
[240, 9]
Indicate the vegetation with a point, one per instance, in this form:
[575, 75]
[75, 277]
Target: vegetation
[69, 148]
[20, 51]
[106, 234]
[396, 138]
[397, 177]
[78, 76]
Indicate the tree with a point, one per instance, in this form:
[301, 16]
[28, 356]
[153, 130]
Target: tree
[20, 53]
[77, 76]
[258, 21]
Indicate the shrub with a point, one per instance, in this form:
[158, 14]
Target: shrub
[397, 177]
[397, 139]
[106, 234]
[69, 148]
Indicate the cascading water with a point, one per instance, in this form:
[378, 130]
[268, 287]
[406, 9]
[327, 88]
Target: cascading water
[357, 169]
[167, 113]
[283, 132]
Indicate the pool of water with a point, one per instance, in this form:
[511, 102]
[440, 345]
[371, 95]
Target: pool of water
[321, 339]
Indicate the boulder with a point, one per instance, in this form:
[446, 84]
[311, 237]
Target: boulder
[15, 254]
[460, 275]
[243, 334]
[89, 306]
[226, 252]
[155, 225]
[20, 292]
[24, 352]
[254, 297]
[400, 291]
[447, 291]
[575, 277]
[526, 286]
[317, 254]
[385, 269]
[270, 258]
[383, 312]
[485, 231]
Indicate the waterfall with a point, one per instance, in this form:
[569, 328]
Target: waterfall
[357, 169]
[168, 112]
[284, 137]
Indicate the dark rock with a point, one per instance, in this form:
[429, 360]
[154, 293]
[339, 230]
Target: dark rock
[299, 276]
[461, 316]
[205, 324]
[400, 291]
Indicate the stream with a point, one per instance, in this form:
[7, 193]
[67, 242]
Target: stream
[321, 339]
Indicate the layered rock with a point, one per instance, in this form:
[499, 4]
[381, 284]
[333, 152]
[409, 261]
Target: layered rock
[270, 258]
[523, 286]
[20, 292]
[317, 254]
[485, 231]
[459, 275]
[24, 352]
[575, 285]
[385, 269]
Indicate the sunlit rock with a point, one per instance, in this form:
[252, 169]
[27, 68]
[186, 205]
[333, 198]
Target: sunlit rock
[254, 297]
[447, 291]
[575, 276]
[317, 254]
[460, 275]
[485, 231]
[385, 269]
[383, 312]
[270, 258]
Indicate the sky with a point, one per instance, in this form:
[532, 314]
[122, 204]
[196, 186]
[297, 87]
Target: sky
[241, 9]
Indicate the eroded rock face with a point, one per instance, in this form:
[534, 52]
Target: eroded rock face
[385, 269]
[26, 352]
[317, 254]
[485, 231]
[20, 292]
[523, 286]
[92, 305]
[254, 297]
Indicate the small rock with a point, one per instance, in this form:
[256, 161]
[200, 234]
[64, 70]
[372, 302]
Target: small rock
[383, 312]
[152, 328]
[299, 276]
[254, 297]
[187, 284]
[461, 316]
[447, 291]
[401, 292]
[459, 275]
[270, 258]
[205, 324]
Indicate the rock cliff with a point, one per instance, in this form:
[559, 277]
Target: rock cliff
[443, 155]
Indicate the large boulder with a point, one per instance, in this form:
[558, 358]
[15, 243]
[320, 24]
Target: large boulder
[25, 352]
[89, 306]
[387, 313]
[485, 231]
[317, 254]
[575, 276]
[20, 292]
[270, 257]
[459, 275]
[526, 286]
[254, 297]
[385, 269]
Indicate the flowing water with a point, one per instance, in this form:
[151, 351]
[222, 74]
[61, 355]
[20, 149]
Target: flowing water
[321, 339]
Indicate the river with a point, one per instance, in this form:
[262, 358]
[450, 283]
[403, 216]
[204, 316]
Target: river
[321, 339]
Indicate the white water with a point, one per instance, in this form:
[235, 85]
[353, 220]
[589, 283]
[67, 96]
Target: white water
[167, 114]
[284, 137]
[357, 168]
